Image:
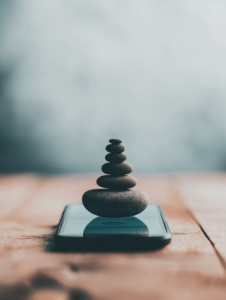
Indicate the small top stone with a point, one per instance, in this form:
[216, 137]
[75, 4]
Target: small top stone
[115, 141]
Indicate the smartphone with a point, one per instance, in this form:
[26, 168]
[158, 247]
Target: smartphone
[80, 230]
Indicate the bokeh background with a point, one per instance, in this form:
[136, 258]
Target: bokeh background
[74, 73]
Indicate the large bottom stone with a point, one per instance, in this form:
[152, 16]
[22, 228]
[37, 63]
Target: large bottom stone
[115, 204]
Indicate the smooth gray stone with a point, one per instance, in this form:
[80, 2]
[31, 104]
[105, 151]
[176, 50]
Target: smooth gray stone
[115, 141]
[116, 158]
[115, 204]
[117, 169]
[115, 148]
[117, 182]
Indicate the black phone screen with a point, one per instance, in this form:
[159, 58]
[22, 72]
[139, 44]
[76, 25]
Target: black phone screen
[79, 229]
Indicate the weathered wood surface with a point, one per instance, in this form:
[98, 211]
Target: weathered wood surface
[205, 198]
[191, 267]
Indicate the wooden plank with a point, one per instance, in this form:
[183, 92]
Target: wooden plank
[186, 269]
[46, 206]
[14, 190]
[205, 197]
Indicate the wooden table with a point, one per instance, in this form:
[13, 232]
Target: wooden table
[191, 267]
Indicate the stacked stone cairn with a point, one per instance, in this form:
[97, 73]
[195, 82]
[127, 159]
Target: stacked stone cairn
[117, 199]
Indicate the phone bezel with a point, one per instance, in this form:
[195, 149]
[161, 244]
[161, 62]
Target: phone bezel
[110, 243]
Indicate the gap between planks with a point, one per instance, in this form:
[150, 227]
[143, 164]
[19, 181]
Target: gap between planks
[190, 213]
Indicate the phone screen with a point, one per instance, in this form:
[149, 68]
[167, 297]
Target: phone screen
[78, 222]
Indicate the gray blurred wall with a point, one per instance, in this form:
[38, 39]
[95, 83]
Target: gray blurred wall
[75, 73]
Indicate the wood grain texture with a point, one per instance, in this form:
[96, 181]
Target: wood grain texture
[205, 198]
[188, 268]
[14, 191]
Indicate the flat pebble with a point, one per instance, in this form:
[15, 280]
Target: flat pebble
[115, 141]
[115, 148]
[117, 169]
[117, 182]
[115, 204]
[116, 158]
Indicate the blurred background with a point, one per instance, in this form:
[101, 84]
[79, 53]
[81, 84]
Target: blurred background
[74, 73]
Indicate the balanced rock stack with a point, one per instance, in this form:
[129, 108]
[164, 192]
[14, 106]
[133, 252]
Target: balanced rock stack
[117, 200]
